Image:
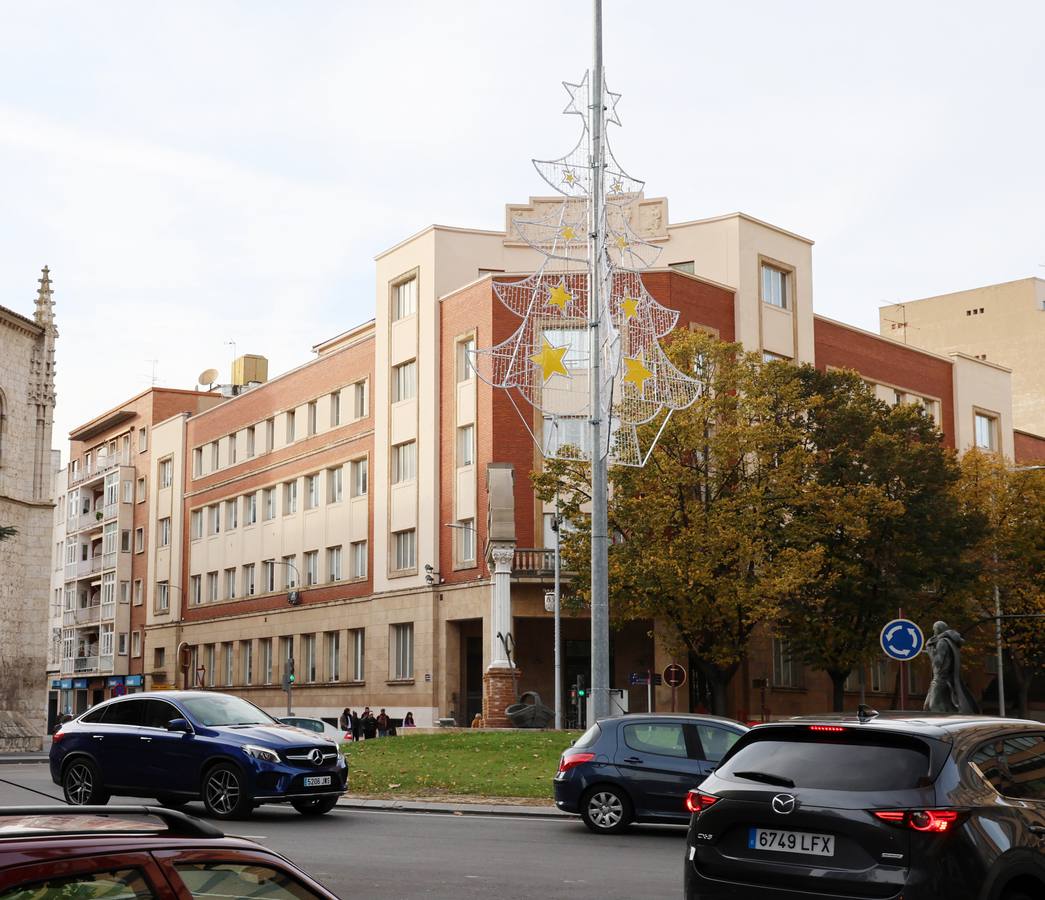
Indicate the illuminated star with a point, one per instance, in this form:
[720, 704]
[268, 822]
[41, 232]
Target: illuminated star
[560, 297]
[549, 360]
[569, 177]
[631, 307]
[568, 234]
[622, 243]
[610, 100]
[578, 104]
[636, 372]
[617, 187]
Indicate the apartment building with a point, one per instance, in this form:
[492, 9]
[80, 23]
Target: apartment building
[999, 323]
[106, 534]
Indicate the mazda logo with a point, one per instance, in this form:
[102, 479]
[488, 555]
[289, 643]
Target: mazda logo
[783, 804]
[315, 756]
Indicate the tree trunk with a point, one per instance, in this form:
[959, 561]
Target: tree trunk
[720, 694]
[838, 690]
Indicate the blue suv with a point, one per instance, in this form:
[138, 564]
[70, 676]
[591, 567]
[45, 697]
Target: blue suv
[179, 746]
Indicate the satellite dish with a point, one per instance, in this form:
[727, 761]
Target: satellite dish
[208, 377]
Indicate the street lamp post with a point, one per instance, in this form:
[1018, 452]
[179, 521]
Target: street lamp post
[556, 525]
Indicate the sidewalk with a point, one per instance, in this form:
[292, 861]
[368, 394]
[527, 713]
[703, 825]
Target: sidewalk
[449, 807]
[38, 756]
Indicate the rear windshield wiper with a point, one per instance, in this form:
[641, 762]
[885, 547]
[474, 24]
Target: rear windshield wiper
[767, 778]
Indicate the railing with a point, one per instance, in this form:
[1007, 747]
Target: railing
[533, 562]
[103, 465]
[108, 611]
[87, 665]
[83, 522]
[85, 567]
[82, 615]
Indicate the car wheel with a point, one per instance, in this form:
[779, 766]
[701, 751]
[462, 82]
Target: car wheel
[82, 784]
[314, 806]
[225, 793]
[171, 802]
[606, 809]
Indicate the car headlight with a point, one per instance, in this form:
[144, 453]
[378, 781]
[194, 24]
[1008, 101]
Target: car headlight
[262, 753]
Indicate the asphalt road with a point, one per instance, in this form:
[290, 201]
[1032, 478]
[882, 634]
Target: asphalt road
[404, 855]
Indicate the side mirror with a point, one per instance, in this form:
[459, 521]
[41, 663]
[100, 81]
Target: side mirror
[179, 725]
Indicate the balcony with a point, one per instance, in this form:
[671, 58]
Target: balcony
[535, 564]
[87, 665]
[82, 615]
[87, 567]
[83, 522]
[98, 468]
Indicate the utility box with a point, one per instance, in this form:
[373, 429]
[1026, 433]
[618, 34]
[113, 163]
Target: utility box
[250, 369]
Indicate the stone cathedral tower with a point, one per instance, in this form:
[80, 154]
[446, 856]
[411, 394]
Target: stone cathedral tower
[27, 399]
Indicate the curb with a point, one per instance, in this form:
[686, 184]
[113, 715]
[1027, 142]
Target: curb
[456, 809]
[8, 759]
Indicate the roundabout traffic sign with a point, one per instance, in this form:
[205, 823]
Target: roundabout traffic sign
[901, 639]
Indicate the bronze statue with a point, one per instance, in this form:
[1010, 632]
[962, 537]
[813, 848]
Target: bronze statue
[947, 692]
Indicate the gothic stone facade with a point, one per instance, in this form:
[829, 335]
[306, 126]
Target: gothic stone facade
[26, 477]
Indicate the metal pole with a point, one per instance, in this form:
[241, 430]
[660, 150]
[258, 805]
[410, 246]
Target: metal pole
[997, 641]
[600, 617]
[558, 624]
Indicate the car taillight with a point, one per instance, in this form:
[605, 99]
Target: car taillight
[56, 737]
[574, 760]
[937, 821]
[832, 728]
[697, 802]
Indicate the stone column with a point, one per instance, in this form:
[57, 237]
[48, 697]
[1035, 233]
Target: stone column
[499, 681]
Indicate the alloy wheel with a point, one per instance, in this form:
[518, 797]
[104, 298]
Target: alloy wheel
[605, 809]
[223, 792]
[79, 784]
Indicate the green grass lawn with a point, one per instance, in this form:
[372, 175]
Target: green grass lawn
[474, 763]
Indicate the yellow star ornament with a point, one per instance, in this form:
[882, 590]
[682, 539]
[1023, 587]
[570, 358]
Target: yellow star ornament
[622, 243]
[568, 234]
[635, 372]
[630, 305]
[550, 360]
[560, 297]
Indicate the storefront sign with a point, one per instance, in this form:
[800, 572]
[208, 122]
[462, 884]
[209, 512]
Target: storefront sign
[133, 681]
[79, 684]
[114, 680]
[66, 684]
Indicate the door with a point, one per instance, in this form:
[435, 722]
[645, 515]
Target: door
[120, 756]
[656, 761]
[473, 678]
[171, 759]
[710, 743]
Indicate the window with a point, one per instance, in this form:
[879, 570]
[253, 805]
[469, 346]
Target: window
[308, 651]
[787, 672]
[215, 518]
[402, 651]
[212, 586]
[359, 399]
[311, 568]
[165, 531]
[360, 470]
[109, 539]
[334, 563]
[143, 440]
[290, 572]
[139, 540]
[357, 637]
[1015, 767]
[286, 650]
[404, 381]
[166, 472]
[774, 286]
[332, 639]
[214, 460]
[230, 584]
[212, 672]
[466, 540]
[250, 441]
[270, 503]
[311, 491]
[227, 658]
[335, 409]
[248, 580]
[248, 661]
[270, 434]
[663, 739]
[250, 509]
[465, 349]
[163, 598]
[136, 643]
[265, 660]
[197, 461]
[195, 589]
[358, 561]
[715, 741]
[290, 426]
[465, 445]
[311, 420]
[141, 495]
[121, 645]
[125, 883]
[404, 299]
[128, 491]
[405, 549]
[231, 439]
[231, 513]
[139, 591]
[196, 524]
[125, 592]
[404, 462]
[575, 339]
[986, 432]
[290, 498]
[334, 485]
[268, 576]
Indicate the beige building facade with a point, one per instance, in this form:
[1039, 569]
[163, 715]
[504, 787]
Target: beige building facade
[27, 399]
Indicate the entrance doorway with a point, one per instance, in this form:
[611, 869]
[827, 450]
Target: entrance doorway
[473, 678]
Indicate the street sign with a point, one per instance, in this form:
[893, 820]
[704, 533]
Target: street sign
[639, 678]
[901, 639]
[674, 675]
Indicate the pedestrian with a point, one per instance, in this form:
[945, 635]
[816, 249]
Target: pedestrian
[357, 731]
[344, 721]
[408, 722]
[477, 722]
[383, 722]
[369, 724]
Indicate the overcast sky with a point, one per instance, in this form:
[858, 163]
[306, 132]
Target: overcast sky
[202, 172]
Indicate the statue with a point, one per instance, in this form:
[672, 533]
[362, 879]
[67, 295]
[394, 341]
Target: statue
[947, 692]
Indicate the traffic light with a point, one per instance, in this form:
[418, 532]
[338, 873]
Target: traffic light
[288, 674]
[582, 690]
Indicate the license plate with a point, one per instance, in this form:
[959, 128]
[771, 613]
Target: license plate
[317, 781]
[791, 842]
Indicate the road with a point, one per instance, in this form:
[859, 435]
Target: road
[406, 855]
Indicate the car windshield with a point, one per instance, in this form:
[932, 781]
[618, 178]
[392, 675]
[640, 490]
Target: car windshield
[220, 709]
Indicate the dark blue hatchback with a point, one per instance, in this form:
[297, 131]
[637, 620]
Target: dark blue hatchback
[639, 768]
[179, 746]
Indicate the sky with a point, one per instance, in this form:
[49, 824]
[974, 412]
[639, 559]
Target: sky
[207, 179]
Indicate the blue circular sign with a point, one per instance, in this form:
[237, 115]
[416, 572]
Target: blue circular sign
[902, 639]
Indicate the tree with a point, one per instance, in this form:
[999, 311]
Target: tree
[703, 530]
[886, 518]
[1010, 556]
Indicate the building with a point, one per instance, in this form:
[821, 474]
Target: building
[55, 606]
[27, 399]
[361, 514]
[107, 532]
[1000, 323]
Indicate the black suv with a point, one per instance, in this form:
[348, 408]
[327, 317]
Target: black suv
[891, 806]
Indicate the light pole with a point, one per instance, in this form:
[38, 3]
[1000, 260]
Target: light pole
[292, 597]
[556, 525]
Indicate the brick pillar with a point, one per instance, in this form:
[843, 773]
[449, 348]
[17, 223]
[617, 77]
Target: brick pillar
[499, 692]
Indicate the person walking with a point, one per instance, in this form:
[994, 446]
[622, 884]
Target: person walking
[357, 731]
[369, 724]
[383, 723]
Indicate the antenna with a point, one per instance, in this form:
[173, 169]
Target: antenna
[153, 376]
[208, 377]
